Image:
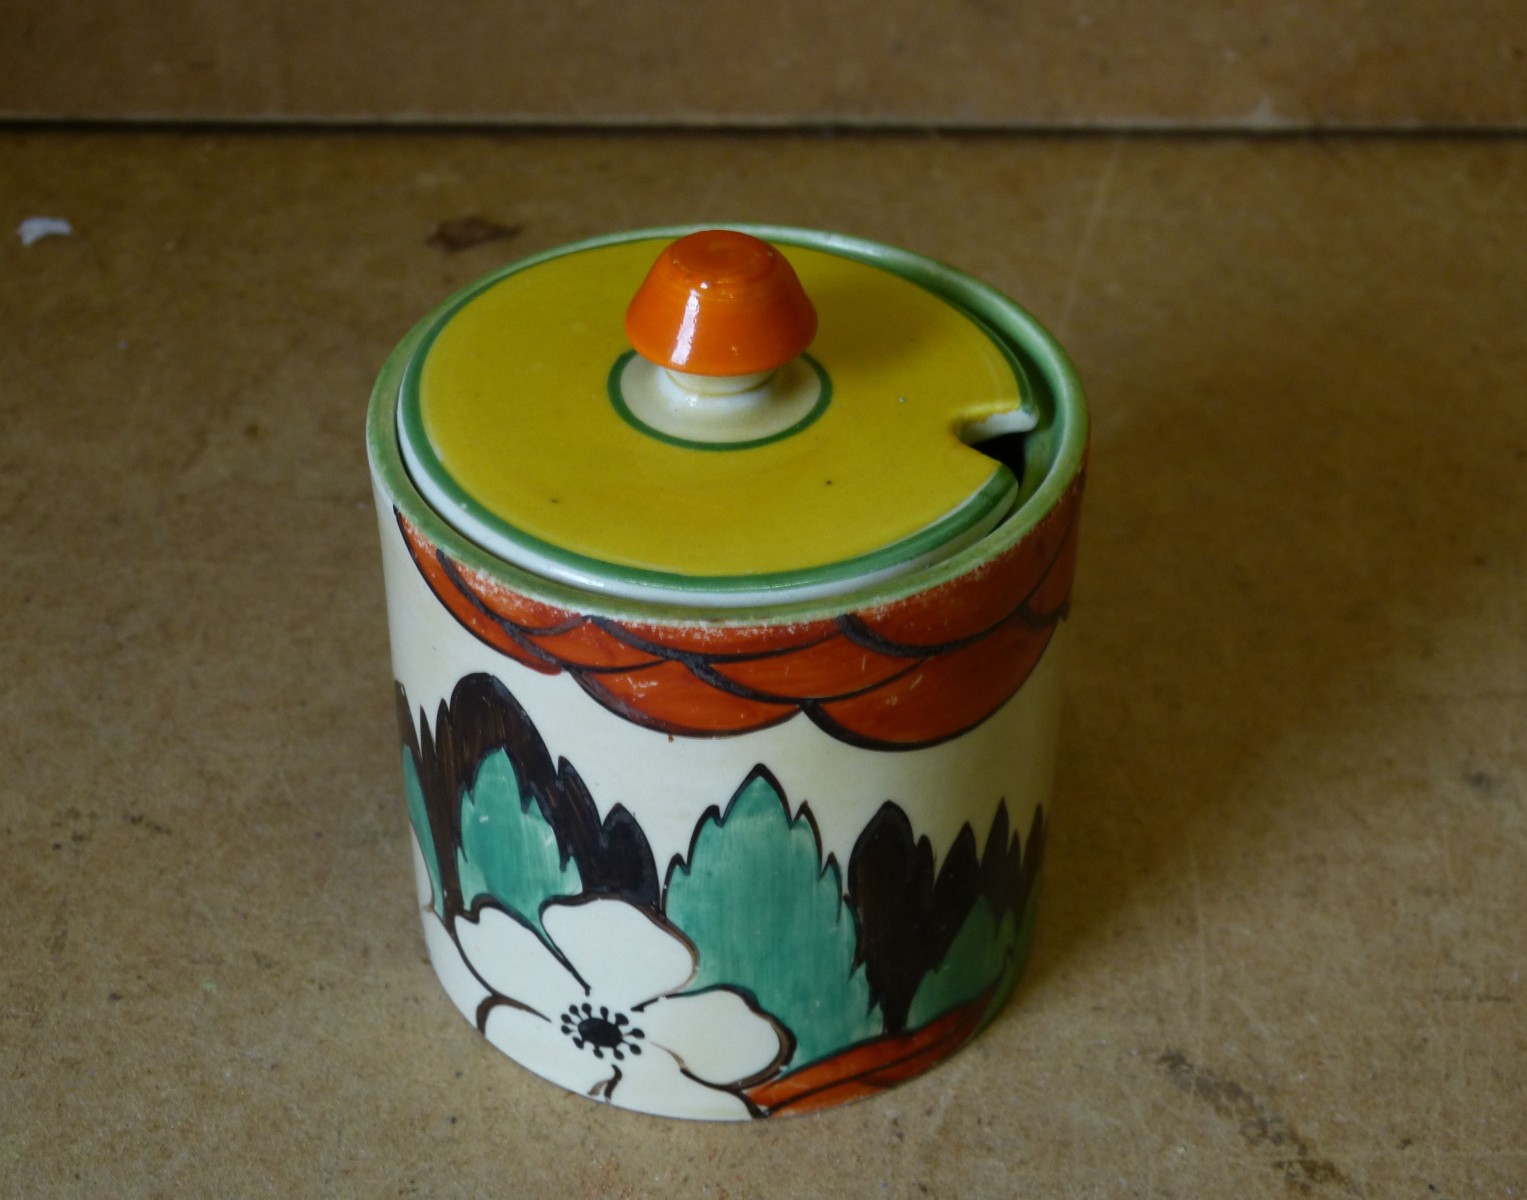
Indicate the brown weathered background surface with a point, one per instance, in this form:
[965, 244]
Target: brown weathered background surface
[1082, 63]
[1282, 944]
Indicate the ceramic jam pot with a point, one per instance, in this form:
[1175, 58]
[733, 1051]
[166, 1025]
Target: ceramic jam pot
[725, 572]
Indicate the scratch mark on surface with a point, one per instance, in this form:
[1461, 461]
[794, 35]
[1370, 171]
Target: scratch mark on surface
[1200, 956]
[1089, 231]
[1258, 1125]
[1142, 1126]
[286, 786]
[1445, 844]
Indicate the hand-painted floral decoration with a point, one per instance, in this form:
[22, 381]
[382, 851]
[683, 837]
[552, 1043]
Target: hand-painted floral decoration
[608, 1003]
[559, 937]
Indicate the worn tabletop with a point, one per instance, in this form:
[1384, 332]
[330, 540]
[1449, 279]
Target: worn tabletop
[1282, 939]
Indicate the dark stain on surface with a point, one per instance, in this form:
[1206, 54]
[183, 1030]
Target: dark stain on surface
[462, 233]
[1260, 1126]
[1481, 781]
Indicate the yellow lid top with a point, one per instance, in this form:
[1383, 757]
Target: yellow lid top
[528, 423]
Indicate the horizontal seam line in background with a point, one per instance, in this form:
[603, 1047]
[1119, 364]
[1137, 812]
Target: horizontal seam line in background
[300, 126]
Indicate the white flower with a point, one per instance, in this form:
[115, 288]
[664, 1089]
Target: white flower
[608, 1021]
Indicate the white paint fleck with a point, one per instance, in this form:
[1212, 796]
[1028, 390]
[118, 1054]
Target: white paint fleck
[34, 229]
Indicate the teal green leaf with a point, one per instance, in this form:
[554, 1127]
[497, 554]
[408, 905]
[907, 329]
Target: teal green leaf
[418, 816]
[1020, 958]
[508, 850]
[973, 963]
[766, 916]
[985, 953]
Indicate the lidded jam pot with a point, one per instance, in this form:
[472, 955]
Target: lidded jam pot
[725, 570]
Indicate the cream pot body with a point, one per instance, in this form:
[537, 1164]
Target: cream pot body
[726, 671]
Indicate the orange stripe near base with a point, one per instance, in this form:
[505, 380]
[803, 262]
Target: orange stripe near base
[870, 1067]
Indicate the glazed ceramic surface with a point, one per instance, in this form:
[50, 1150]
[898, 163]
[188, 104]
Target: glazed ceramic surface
[729, 826]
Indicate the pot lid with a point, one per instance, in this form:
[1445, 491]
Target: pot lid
[797, 423]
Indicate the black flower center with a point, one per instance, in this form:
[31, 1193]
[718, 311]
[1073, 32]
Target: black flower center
[600, 1030]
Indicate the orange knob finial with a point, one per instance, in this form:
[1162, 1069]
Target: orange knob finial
[720, 302]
